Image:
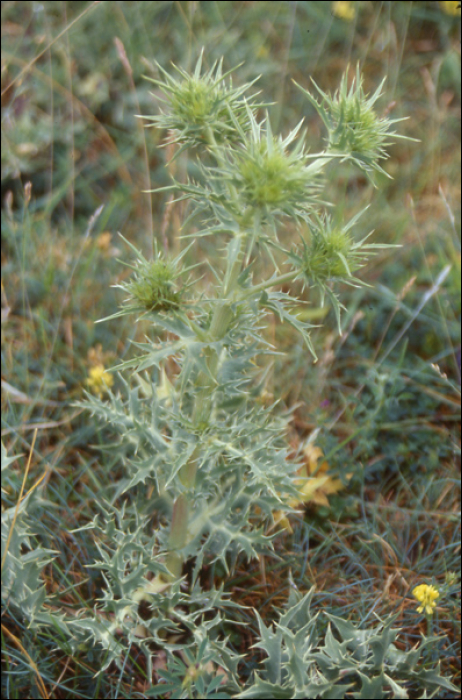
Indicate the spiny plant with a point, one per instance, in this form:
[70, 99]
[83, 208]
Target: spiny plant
[344, 662]
[206, 463]
[214, 459]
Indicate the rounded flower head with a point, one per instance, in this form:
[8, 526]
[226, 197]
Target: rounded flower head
[330, 253]
[99, 380]
[152, 286]
[200, 108]
[154, 283]
[354, 127]
[426, 595]
[272, 176]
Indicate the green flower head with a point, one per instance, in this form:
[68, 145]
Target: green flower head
[331, 253]
[200, 107]
[154, 285]
[354, 127]
[272, 174]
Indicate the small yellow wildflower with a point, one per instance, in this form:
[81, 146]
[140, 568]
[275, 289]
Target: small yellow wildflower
[426, 595]
[99, 380]
[344, 10]
[450, 8]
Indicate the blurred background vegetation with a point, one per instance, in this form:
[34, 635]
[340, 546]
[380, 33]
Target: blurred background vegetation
[384, 397]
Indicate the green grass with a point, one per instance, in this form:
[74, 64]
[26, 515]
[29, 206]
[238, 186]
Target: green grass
[385, 397]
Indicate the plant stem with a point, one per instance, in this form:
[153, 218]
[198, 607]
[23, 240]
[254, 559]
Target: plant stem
[221, 318]
[273, 282]
[178, 535]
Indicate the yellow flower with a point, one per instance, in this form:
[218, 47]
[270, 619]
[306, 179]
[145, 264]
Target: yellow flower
[450, 8]
[426, 595]
[99, 380]
[344, 10]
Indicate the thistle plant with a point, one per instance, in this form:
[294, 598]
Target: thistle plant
[206, 463]
[354, 127]
[200, 105]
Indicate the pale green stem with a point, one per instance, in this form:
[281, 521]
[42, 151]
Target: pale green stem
[219, 157]
[255, 235]
[221, 318]
[212, 142]
[273, 282]
[230, 285]
[178, 535]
